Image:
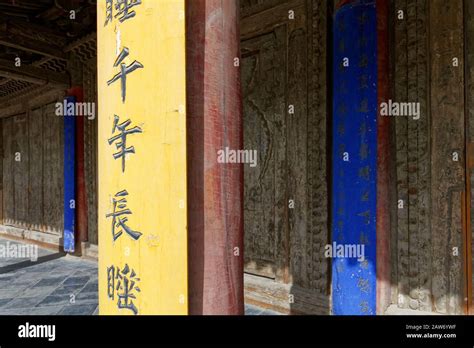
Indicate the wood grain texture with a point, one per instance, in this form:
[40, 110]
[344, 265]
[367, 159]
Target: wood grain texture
[266, 293]
[20, 169]
[401, 126]
[33, 184]
[317, 124]
[249, 7]
[8, 185]
[424, 164]
[300, 250]
[265, 131]
[53, 171]
[215, 190]
[412, 157]
[413, 161]
[469, 92]
[36, 202]
[447, 107]
[90, 150]
[284, 64]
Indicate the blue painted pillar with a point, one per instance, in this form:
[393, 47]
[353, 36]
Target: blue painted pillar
[69, 176]
[354, 160]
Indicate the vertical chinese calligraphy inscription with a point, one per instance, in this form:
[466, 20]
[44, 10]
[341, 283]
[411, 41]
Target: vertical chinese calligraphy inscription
[142, 157]
[354, 162]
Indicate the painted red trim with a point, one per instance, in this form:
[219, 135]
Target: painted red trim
[215, 191]
[81, 198]
[383, 149]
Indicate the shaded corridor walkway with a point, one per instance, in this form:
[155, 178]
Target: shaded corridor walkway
[54, 284]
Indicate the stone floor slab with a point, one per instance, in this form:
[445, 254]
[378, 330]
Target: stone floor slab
[45, 288]
[88, 309]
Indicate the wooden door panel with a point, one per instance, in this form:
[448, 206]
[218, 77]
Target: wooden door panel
[8, 158]
[20, 169]
[274, 78]
[284, 96]
[263, 85]
[35, 208]
[284, 85]
[53, 171]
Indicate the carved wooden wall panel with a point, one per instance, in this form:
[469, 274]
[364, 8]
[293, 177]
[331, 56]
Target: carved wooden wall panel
[447, 110]
[263, 83]
[469, 91]
[430, 184]
[286, 208]
[33, 170]
[8, 158]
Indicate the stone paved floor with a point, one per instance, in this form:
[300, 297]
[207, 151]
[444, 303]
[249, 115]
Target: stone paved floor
[55, 285]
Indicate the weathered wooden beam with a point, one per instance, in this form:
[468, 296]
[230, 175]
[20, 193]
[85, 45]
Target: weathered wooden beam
[33, 74]
[31, 45]
[36, 98]
[4, 81]
[32, 30]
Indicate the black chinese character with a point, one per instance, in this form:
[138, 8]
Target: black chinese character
[123, 9]
[125, 288]
[108, 12]
[121, 145]
[119, 222]
[124, 70]
[110, 282]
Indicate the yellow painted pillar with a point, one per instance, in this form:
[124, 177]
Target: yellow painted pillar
[142, 158]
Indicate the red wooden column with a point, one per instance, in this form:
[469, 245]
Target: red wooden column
[215, 190]
[383, 150]
[81, 199]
